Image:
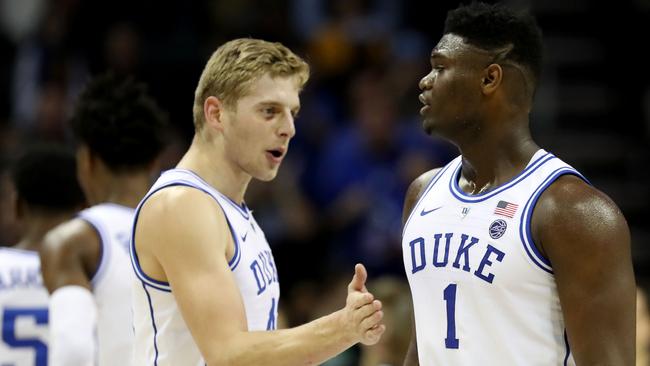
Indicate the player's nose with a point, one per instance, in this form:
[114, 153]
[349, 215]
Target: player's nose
[425, 82]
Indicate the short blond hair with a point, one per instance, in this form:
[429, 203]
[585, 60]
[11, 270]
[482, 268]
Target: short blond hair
[237, 64]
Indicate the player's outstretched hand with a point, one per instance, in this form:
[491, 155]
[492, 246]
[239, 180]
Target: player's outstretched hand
[362, 314]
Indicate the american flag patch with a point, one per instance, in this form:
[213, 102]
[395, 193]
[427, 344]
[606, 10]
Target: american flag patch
[506, 209]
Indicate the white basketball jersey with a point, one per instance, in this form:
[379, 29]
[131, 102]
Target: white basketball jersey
[23, 309]
[482, 292]
[111, 283]
[162, 337]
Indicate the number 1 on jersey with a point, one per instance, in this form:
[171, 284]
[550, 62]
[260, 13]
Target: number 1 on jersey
[449, 295]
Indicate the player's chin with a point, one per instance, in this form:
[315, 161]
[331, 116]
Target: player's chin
[428, 126]
[268, 175]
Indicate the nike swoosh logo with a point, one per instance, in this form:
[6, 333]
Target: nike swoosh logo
[243, 237]
[425, 212]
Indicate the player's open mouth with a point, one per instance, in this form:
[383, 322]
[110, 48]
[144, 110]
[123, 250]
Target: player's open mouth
[276, 153]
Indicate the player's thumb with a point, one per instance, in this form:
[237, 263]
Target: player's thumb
[358, 282]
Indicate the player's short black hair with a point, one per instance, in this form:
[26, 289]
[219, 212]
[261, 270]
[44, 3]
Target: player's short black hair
[495, 26]
[45, 177]
[120, 122]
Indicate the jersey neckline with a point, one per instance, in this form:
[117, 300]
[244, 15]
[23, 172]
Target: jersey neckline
[538, 159]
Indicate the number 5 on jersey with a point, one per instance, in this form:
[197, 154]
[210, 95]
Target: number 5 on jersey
[10, 335]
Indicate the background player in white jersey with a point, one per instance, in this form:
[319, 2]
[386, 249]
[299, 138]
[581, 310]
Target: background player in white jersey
[512, 257]
[47, 194]
[85, 261]
[205, 269]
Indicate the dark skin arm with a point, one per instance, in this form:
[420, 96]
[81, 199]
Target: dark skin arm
[70, 255]
[413, 194]
[586, 238]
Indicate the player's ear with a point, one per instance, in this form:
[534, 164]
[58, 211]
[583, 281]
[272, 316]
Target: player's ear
[492, 78]
[213, 112]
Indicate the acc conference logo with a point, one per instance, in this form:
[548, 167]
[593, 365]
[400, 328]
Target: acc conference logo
[497, 229]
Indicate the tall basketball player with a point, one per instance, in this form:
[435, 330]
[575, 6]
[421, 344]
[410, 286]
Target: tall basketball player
[85, 261]
[47, 194]
[513, 258]
[208, 290]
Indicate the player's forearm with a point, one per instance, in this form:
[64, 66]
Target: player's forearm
[309, 344]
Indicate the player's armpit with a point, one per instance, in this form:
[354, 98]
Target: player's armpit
[587, 241]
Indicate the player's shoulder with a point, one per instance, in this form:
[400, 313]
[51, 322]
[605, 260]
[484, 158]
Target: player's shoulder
[416, 188]
[180, 222]
[177, 200]
[418, 185]
[171, 206]
[74, 235]
[571, 196]
[572, 208]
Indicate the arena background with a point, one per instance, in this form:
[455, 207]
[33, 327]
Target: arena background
[339, 195]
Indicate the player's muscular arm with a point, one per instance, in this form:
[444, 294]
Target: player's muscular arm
[69, 257]
[191, 236]
[587, 240]
[413, 193]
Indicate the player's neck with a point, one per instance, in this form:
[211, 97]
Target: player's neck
[125, 189]
[493, 159]
[37, 228]
[208, 160]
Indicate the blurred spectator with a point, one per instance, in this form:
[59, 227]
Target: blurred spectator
[49, 72]
[8, 225]
[391, 349]
[20, 18]
[363, 172]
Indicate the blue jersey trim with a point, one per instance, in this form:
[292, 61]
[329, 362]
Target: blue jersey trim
[242, 209]
[153, 323]
[104, 250]
[135, 262]
[525, 224]
[464, 197]
[568, 348]
[162, 285]
[237, 256]
[431, 183]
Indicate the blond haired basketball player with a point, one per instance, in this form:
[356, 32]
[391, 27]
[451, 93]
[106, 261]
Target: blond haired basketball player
[207, 290]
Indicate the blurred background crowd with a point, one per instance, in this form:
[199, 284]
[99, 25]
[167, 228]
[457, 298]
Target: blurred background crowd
[359, 143]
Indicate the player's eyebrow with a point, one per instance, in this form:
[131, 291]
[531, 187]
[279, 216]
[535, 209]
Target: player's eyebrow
[437, 54]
